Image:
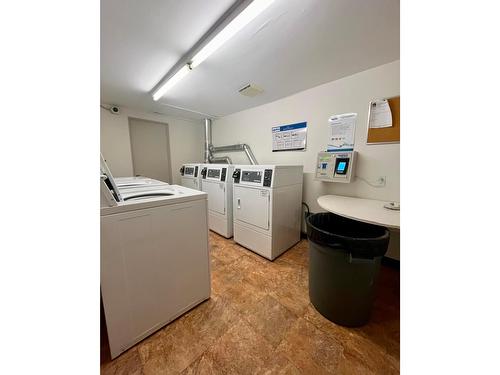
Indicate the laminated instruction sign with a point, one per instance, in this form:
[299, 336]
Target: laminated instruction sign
[342, 129]
[289, 137]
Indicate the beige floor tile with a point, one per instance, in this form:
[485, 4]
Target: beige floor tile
[241, 351]
[270, 319]
[279, 365]
[359, 352]
[312, 351]
[196, 331]
[203, 365]
[225, 276]
[128, 363]
[242, 296]
[293, 296]
[297, 255]
[225, 251]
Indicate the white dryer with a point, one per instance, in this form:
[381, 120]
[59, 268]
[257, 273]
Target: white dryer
[267, 201]
[154, 258]
[217, 182]
[190, 176]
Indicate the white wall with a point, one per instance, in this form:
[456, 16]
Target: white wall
[316, 105]
[186, 140]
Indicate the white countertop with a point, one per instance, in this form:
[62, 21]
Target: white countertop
[366, 210]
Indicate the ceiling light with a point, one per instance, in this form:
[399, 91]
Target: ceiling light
[242, 19]
[181, 73]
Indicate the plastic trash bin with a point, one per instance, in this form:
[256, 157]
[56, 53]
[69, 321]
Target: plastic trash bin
[344, 263]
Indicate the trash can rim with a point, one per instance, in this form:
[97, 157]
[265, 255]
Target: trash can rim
[348, 238]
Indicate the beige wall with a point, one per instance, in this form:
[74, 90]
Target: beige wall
[316, 105]
[186, 140]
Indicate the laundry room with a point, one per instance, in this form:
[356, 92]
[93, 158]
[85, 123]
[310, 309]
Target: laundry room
[299, 235]
[253, 159]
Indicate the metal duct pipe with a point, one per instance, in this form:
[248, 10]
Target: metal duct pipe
[221, 160]
[208, 139]
[250, 154]
[210, 149]
[239, 147]
[229, 148]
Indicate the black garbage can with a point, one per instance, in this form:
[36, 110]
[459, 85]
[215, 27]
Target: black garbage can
[345, 257]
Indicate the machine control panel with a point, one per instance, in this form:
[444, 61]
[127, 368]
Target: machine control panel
[336, 166]
[214, 173]
[268, 174]
[189, 170]
[251, 176]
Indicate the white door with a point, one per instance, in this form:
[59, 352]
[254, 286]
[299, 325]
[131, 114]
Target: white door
[251, 206]
[216, 196]
[150, 149]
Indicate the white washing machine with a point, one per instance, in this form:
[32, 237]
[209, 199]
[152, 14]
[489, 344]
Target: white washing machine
[137, 182]
[154, 258]
[217, 182]
[267, 202]
[190, 176]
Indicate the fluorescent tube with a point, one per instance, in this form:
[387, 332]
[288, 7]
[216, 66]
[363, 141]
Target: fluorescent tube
[181, 73]
[242, 19]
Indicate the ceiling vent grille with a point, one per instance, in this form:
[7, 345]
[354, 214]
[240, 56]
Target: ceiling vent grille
[250, 90]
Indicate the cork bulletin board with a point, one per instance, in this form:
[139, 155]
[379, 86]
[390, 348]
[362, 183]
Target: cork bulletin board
[389, 134]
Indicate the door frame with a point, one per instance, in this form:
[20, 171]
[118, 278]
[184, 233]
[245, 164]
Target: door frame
[168, 143]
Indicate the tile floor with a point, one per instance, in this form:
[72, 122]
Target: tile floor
[259, 321]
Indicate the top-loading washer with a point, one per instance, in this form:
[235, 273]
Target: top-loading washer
[190, 175]
[154, 257]
[138, 184]
[267, 201]
[217, 182]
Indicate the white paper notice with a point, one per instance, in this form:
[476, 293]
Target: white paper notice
[380, 114]
[342, 129]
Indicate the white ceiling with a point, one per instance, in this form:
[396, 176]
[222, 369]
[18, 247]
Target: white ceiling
[292, 46]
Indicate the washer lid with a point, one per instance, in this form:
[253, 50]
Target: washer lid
[137, 200]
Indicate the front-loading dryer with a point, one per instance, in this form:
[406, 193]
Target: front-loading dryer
[190, 176]
[217, 182]
[267, 202]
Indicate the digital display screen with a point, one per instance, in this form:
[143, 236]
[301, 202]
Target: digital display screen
[251, 176]
[213, 173]
[189, 170]
[341, 166]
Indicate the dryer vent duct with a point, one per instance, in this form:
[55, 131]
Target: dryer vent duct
[210, 150]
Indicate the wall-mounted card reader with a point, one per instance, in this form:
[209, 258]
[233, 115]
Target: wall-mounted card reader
[336, 166]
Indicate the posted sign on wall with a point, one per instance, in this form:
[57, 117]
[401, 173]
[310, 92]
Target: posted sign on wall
[290, 137]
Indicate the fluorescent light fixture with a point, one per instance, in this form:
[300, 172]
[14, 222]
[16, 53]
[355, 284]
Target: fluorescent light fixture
[181, 73]
[242, 19]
